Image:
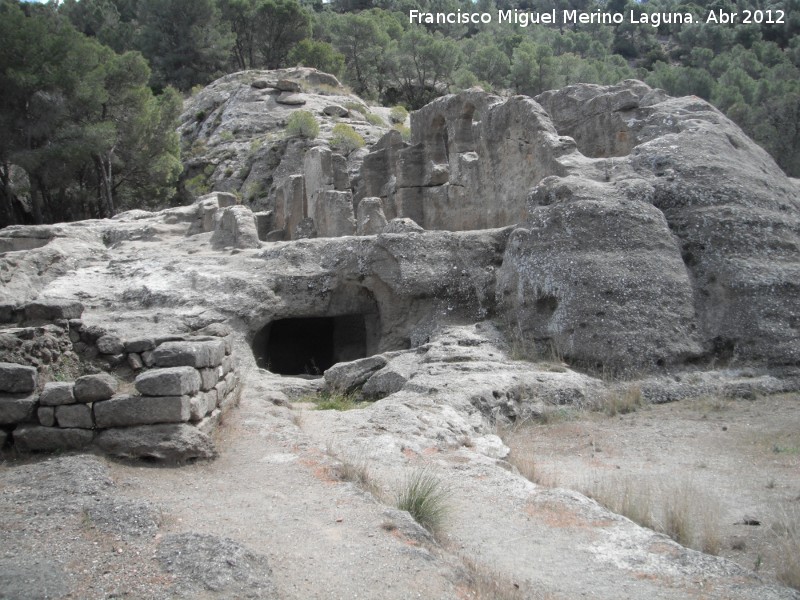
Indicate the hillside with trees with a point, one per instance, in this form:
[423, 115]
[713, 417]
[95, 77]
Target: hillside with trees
[97, 82]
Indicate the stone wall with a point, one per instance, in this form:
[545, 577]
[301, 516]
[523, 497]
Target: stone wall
[181, 387]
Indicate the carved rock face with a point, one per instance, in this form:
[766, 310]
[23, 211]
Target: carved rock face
[612, 225]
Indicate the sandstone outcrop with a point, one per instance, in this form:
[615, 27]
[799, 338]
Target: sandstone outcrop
[613, 227]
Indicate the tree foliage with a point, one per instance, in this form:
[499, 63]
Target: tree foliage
[80, 122]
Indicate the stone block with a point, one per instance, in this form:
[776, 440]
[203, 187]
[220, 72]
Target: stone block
[209, 377]
[171, 381]
[210, 424]
[74, 415]
[56, 393]
[122, 411]
[91, 388]
[110, 344]
[135, 361]
[35, 438]
[190, 354]
[171, 442]
[46, 415]
[16, 408]
[50, 310]
[227, 365]
[17, 379]
[198, 407]
[222, 389]
[140, 345]
[347, 376]
[148, 359]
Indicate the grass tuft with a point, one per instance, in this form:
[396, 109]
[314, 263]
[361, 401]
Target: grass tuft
[622, 402]
[335, 401]
[426, 498]
[484, 583]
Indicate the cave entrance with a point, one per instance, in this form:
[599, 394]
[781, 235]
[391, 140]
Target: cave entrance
[310, 345]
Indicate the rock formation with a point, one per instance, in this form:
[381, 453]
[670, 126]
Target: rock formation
[612, 227]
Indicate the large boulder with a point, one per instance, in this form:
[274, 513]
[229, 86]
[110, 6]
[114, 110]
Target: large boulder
[171, 442]
[598, 278]
[121, 411]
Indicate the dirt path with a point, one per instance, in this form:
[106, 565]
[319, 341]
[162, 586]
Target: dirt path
[273, 492]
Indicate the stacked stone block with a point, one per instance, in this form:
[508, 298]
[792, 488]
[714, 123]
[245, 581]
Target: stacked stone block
[182, 388]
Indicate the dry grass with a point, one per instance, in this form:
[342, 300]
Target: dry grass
[357, 471]
[682, 511]
[788, 543]
[622, 401]
[426, 498]
[483, 583]
[519, 438]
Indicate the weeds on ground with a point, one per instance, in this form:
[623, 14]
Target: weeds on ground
[622, 401]
[788, 533]
[426, 498]
[484, 583]
[335, 401]
[518, 438]
[681, 511]
[356, 471]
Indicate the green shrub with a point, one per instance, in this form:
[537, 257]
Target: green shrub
[398, 114]
[302, 124]
[405, 132]
[345, 138]
[374, 119]
[425, 497]
[355, 106]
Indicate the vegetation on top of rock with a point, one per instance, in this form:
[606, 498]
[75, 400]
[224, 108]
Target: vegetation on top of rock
[303, 124]
[345, 138]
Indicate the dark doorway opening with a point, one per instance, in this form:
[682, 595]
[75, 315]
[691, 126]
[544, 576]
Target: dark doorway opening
[310, 345]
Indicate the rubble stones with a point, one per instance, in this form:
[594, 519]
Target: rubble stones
[16, 379]
[110, 344]
[91, 388]
[171, 381]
